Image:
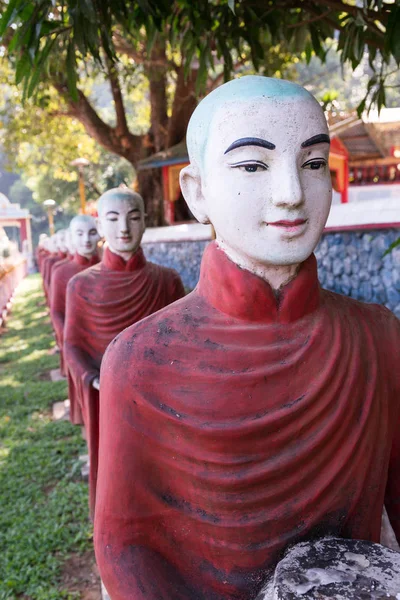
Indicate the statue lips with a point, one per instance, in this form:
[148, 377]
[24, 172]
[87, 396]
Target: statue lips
[294, 226]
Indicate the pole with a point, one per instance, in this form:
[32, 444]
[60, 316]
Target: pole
[51, 220]
[82, 191]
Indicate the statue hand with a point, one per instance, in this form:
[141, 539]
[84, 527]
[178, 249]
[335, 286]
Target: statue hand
[96, 383]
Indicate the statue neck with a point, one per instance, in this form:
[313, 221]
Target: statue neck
[276, 276]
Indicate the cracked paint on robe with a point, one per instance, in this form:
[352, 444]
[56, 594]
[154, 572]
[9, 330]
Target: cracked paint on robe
[62, 272]
[101, 302]
[236, 422]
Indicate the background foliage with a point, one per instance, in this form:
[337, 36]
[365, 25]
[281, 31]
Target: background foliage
[128, 74]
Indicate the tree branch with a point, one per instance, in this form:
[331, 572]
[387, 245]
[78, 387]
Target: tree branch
[312, 20]
[126, 145]
[213, 83]
[122, 46]
[156, 72]
[353, 10]
[122, 126]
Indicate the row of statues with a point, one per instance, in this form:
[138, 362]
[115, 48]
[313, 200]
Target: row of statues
[91, 302]
[255, 412]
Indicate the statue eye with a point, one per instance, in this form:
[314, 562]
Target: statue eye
[250, 167]
[315, 164]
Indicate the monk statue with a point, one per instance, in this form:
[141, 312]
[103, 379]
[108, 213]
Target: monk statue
[260, 410]
[105, 299]
[41, 250]
[82, 236]
[58, 252]
[69, 254]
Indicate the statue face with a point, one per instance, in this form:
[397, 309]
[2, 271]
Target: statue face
[84, 237]
[121, 222]
[265, 182]
[60, 241]
[52, 244]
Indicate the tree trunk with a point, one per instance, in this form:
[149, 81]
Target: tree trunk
[156, 72]
[151, 189]
[183, 106]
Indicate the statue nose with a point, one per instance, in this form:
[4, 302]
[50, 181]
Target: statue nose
[288, 190]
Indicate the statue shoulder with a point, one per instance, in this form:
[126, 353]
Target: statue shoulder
[139, 342]
[83, 280]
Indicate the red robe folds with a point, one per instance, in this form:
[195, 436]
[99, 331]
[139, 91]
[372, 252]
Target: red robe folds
[101, 302]
[41, 254]
[234, 423]
[61, 274]
[48, 265]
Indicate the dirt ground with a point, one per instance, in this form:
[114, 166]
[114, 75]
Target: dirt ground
[80, 575]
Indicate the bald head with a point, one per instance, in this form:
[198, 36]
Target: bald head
[259, 150]
[244, 89]
[84, 235]
[121, 220]
[117, 195]
[79, 219]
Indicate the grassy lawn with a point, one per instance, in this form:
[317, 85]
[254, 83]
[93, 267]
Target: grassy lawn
[43, 502]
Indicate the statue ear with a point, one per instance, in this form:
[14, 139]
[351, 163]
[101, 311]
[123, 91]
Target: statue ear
[99, 227]
[190, 181]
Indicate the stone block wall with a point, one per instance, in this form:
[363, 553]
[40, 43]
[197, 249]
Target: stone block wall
[349, 262]
[184, 257]
[352, 263]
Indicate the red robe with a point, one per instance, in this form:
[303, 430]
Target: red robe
[41, 254]
[61, 274]
[48, 265]
[234, 423]
[101, 302]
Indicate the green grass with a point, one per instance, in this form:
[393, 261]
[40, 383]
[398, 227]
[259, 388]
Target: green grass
[43, 502]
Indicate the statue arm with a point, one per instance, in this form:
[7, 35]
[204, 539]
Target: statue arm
[128, 518]
[392, 354]
[57, 319]
[79, 362]
[392, 497]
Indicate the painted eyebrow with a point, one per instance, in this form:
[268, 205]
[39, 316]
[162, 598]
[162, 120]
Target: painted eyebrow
[249, 141]
[320, 138]
[134, 210]
[112, 212]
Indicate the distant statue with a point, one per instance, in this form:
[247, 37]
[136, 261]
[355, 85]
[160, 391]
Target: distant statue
[260, 410]
[105, 299]
[81, 241]
[57, 252]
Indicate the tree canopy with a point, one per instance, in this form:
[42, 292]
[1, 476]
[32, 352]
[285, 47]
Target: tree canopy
[182, 49]
[208, 31]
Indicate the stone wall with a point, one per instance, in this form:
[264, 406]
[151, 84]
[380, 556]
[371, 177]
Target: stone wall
[352, 263]
[184, 257]
[349, 262]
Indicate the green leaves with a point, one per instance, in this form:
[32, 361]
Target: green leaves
[392, 246]
[208, 29]
[8, 16]
[72, 75]
[393, 33]
[23, 67]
